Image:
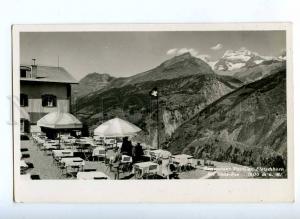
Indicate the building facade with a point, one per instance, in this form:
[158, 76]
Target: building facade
[43, 89]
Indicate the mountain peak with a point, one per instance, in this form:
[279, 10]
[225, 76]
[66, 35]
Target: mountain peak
[97, 76]
[185, 55]
[232, 60]
[91, 82]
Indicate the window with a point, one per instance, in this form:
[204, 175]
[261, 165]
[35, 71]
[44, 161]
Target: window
[22, 125]
[23, 73]
[49, 100]
[23, 100]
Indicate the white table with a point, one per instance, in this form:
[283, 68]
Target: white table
[182, 159]
[91, 175]
[72, 161]
[23, 164]
[51, 145]
[99, 151]
[63, 153]
[160, 154]
[145, 167]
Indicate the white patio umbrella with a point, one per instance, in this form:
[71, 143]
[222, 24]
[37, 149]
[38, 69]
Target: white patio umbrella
[116, 128]
[59, 120]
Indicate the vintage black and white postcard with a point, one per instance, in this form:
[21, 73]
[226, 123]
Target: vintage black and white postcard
[153, 113]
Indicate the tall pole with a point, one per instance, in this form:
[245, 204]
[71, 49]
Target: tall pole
[151, 116]
[75, 105]
[157, 121]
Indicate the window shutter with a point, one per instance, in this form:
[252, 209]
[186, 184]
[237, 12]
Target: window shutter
[54, 101]
[44, 100]
[25, 100]
[21, 99]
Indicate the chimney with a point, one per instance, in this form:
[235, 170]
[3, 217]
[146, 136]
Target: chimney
[33, 69]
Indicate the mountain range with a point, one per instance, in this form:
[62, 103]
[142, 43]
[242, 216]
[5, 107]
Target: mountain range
[242, 58]
[243, 64]
[236, 114]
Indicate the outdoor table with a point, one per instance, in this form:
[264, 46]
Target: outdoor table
[156, 154]
[71, 165]
[67, 145]
[85, 140]
[72, 161]
[91, 175]
[23, 164]
[68, 139]
[62, 153]
[182, 159]
[143, 168]
[99, 152]
[48, 148]
[83, 145]
[50, 145]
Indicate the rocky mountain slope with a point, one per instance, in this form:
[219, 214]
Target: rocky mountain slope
[247, 126]
[180, 99]
[260, 71]
[179, 66]
[90, 83]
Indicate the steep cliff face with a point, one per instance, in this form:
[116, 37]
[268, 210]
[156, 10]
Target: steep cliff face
[181, 107]
[246, 126]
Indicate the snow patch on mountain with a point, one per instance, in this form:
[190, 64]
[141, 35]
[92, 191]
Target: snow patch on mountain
[243, 58]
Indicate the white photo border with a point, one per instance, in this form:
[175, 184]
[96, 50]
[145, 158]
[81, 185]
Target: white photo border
[153, 191]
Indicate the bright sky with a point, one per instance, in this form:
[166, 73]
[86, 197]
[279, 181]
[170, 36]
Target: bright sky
[128, 53]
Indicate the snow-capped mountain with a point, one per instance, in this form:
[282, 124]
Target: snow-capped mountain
[243, 57]
[246, 65]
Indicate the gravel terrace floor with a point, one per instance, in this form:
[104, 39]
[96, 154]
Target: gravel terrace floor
[47, 169]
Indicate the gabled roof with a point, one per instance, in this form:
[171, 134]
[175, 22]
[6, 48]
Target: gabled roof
[50, 74]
